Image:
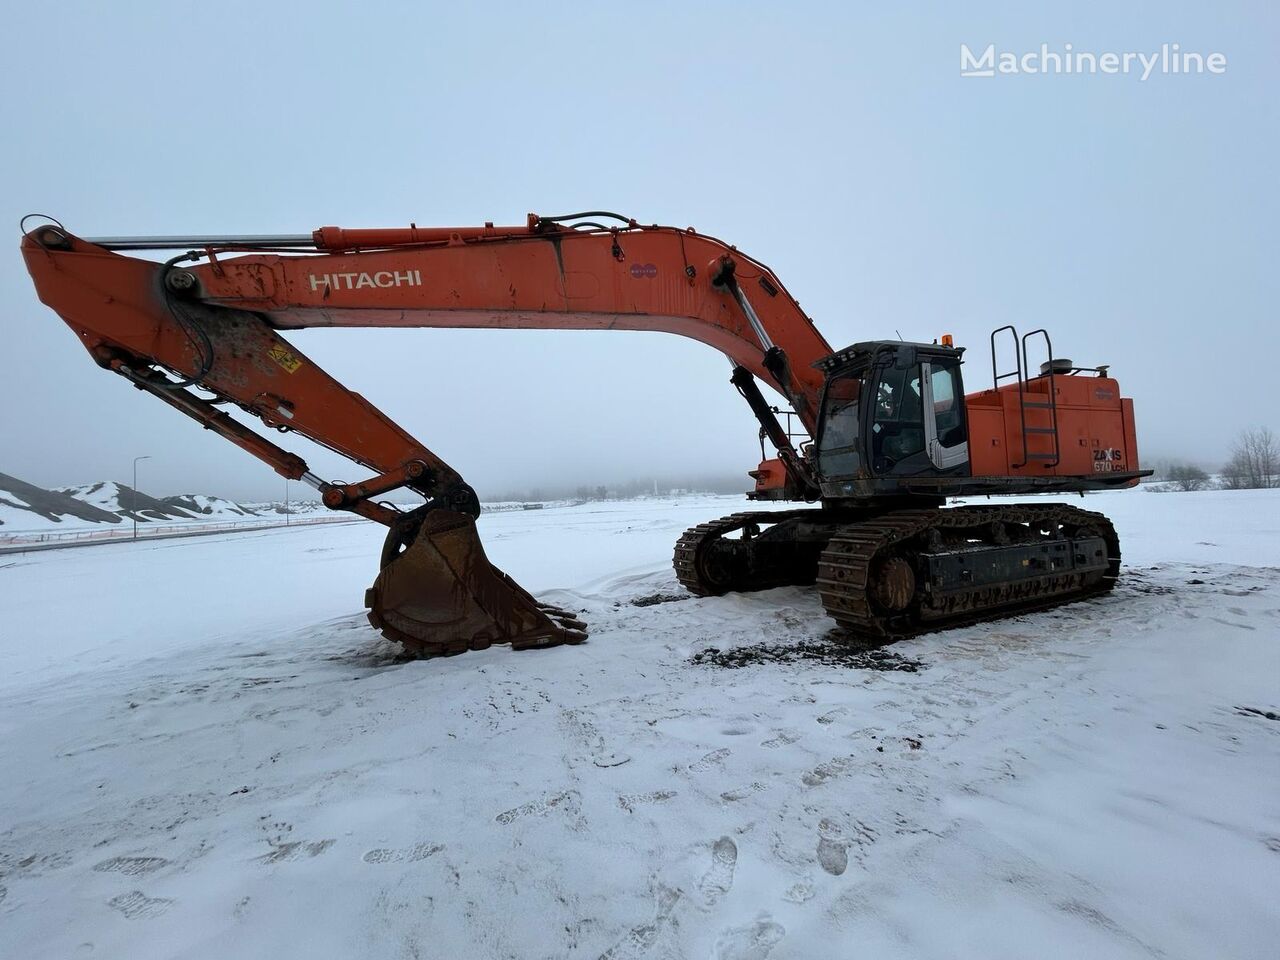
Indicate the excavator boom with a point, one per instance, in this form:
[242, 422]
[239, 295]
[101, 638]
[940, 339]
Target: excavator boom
[202, 331]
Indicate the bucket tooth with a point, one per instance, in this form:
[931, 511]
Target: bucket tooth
[441, 595]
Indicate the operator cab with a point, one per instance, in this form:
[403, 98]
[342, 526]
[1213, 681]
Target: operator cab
[890, 411]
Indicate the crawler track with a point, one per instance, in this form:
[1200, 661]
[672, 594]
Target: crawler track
[905, 572]
[1080, 549]
[709, 565]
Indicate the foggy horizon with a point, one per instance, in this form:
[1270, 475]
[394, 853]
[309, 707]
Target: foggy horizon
[1133, 219]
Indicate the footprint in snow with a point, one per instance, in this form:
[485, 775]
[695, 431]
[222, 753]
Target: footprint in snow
[135, 905]
[799, 892]
[630, 801]
[719, 878]
[568, 800]
[712, 759]
[784, 738]
[755, 941]
[411, 855]
[578, 724]
[295, 850]
[131, 866]
[833, 852]
[638, 941]
[732, 796]
[35, 864]
[823, 772]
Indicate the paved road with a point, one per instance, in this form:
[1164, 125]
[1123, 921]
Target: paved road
[35, 546]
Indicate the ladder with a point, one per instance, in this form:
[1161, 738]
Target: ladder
[1020, 372]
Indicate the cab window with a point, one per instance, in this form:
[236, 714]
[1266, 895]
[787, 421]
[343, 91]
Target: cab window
[945, 382]
[838, 454]
[898, 428]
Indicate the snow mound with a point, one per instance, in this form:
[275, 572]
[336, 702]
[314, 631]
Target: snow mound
[198, 503]
[125, 502]
[26, 505]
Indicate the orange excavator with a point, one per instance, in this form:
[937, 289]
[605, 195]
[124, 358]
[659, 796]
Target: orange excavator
[878, 436]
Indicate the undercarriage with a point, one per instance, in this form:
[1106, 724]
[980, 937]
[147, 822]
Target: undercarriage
[889, 574]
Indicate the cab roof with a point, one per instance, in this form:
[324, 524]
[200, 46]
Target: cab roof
[862, 353]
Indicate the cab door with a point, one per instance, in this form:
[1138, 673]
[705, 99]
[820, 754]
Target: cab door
[897, 433]
[946, 439]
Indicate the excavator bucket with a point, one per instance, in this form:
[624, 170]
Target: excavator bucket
[438, 593]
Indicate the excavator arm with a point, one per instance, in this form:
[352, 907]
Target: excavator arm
[203, 330]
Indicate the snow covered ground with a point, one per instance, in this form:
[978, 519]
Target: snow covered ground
[208, 753]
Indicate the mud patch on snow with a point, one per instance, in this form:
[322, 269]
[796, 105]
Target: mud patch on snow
[653, 599]
[820, 651]
[379, 656]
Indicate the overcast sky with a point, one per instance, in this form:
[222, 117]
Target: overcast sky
[838, 143]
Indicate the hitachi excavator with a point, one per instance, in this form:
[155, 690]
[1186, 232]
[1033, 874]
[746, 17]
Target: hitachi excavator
[878, 436]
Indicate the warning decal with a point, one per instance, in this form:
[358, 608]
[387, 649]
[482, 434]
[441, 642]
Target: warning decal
[281, 355]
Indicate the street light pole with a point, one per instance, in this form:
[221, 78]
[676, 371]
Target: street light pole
[133, 496]
[286, 501]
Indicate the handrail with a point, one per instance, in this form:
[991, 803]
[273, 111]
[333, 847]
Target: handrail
[1053, 396]
[1018, 357]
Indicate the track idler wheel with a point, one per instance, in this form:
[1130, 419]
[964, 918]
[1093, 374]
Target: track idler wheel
[437, 593]
[893, 584]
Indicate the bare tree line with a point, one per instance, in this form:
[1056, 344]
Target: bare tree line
[1254, 465]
